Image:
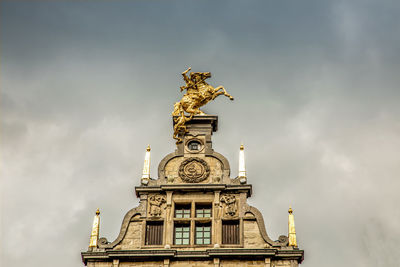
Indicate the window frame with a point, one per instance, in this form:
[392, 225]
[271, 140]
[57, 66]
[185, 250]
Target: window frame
[237, 232]
[202, 207]
[203, 238]
[192, 222]
[147, 232]
[183, 207]
[178, 225]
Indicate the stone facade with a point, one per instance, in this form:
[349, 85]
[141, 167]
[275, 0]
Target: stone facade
[194, 214]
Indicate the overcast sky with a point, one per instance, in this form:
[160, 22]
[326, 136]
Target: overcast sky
[86, 85]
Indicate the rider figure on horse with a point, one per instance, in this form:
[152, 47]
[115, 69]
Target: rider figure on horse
[191, 84]
[198, 93]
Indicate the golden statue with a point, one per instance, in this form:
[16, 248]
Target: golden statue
[198, 93]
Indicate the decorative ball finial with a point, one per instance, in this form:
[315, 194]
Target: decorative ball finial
[97, 211]
[148, 147]
[290, 210]
[241, 147]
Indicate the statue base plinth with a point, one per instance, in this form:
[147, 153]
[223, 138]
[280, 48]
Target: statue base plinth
[201, 121]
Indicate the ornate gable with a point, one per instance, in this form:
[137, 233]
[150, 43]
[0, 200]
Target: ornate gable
[194, 213]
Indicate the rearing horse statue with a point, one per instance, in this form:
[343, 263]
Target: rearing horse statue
[197, 95]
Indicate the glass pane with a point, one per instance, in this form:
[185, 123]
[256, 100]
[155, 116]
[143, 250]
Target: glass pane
[207, 241]
[182, 211]
[207, 234]
[199, 241]
[203, 211]
[182, 234]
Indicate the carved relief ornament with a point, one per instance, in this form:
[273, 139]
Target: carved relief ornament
[156, 205]
[230, 208]
[194, 170]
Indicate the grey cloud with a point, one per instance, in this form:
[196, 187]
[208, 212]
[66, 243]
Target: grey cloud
[85, 87]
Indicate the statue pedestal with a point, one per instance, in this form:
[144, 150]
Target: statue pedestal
[199, 128]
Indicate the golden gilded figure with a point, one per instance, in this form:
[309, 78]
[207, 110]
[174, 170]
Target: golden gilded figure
[198, 93]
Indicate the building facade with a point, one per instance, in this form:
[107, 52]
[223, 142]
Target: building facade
[194, 214]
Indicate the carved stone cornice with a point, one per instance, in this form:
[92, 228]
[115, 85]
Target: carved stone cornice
[208, 254]
[247, 188]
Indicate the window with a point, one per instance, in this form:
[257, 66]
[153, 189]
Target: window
[154, 233]
[230, 232]
[203, 234]
[193, 224]
[203, 211]
[194, 145]
[182, 211]
[182, 234]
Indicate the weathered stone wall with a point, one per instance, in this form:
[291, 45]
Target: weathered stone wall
[191, 263]
[141, 263]
[241, 263]
[284, 263]
[199, 263]
[132, 239]
[252, 235]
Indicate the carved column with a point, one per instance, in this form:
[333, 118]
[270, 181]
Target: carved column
[242, 208]
[168, 220]
[267, 262]
[216, 262]
[143, 202]
[115, 263]
[217, 221]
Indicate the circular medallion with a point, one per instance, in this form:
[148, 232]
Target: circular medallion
[194, 170]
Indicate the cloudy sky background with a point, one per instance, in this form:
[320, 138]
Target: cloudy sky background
[86, 85]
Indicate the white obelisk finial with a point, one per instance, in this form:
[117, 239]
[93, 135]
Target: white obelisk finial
[291, 230]
[146, 167]
[242, 166]
[94, 237]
